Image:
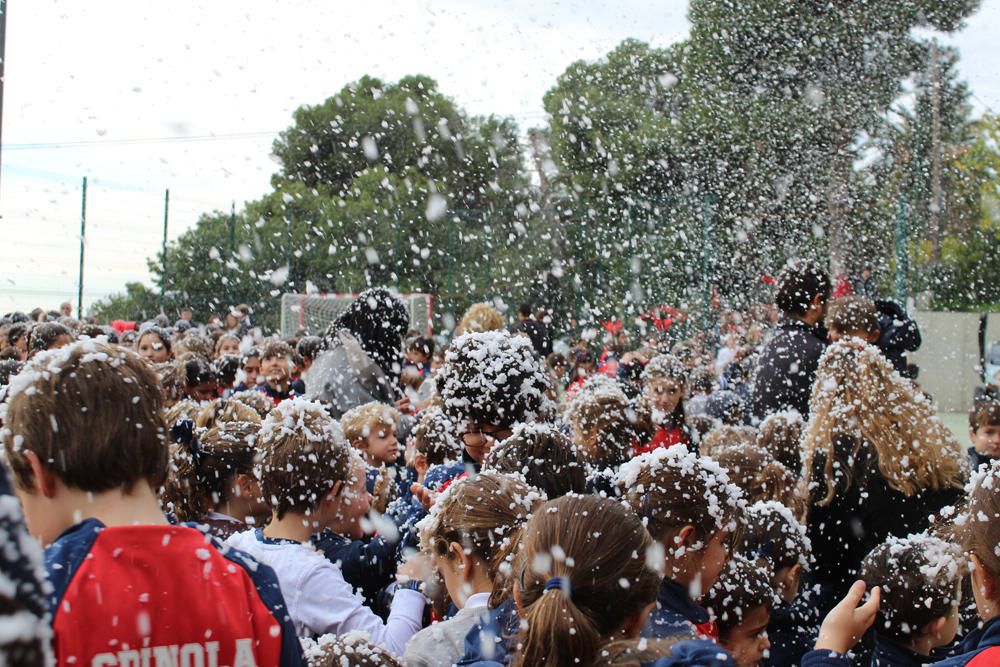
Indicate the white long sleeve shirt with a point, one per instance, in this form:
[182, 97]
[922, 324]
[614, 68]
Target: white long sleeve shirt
[320, 601]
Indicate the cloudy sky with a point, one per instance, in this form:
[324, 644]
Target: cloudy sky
[140, 97]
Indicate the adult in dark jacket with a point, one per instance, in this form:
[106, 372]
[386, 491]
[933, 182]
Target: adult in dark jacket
[788, 361]
[539, 332]
[898, 334]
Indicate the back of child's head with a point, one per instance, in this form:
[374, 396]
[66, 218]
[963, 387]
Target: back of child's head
[799, 283]
[726, 406]
[255, 400]
[852, 316]
[203, 465]
[919, 577]
[743, 586]
[185, 409]
[544, 456]
[47, 334]
[480, 317]
[772, 533]
[726, 435]
[92, 414]
[759, 475]
[9, 368]
[779, 434]
[365, 420]
[203, 346]
[583, 573]
[350, 649]
[984, 412]
[606, 423]
[303, 454]
[308, 347]
[435, 437]
[484, 514]
[493, 378]
[701, 381]
[193, 370]
[226, 367]
[670, 488]
[225, 410]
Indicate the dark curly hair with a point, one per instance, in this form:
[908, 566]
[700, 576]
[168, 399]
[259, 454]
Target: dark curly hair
[378, 321]
[493, 378]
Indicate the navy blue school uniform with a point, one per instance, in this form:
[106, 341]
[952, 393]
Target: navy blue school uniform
[695, 653]
[890, 653]
[367, 565]
[976, 459]
[677, 615]
[602, 483]
[979, 648]
[490, 641]
[792, 630]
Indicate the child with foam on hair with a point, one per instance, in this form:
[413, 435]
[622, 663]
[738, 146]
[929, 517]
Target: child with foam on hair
[694, 513]
[352, 649]
[545, 457]
[432, 442]
[471, 535]
[920, 579]
[314, 481]
[740, 603]
[485, 400]
[371, 429]
[211, 478]
[774, 538]
[85, 437]
[606, 428]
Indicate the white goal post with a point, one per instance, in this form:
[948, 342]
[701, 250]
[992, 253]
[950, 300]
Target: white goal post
[315, 312]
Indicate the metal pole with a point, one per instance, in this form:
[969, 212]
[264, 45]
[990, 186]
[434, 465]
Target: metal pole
[902, 251]
[166, 217]
[83, 236]
[232, 250]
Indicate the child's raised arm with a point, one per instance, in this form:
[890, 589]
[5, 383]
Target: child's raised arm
[847, 622]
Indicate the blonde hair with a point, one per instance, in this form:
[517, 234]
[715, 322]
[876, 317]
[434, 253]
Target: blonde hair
[480, 317]
[254, 399]
[859, 400]
[725, 436]
[303, 454]
[360, 422]
[226, 410]
[607, 422]
[484, 514]
[780, 434]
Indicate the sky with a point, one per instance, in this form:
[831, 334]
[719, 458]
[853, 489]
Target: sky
[142, 97]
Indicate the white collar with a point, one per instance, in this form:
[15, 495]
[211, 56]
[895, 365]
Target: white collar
[477, 600]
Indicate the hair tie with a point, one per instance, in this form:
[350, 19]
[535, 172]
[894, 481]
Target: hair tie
[557, 584]
[766, 550]
[183, 433]
[646, 506]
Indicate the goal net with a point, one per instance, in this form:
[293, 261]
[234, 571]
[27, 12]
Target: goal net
[315, 312]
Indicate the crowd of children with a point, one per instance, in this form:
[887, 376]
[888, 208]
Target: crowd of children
[201, 502]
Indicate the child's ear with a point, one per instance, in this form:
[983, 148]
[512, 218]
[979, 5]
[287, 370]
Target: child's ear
[360, 443]
[335, 491]
[873, 337]
[686, 536]
[933, 629]
[44, 480]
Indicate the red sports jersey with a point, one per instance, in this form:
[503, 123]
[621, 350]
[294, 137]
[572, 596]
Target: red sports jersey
[145, 596]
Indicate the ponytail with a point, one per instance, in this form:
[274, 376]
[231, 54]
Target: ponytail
[583, 560]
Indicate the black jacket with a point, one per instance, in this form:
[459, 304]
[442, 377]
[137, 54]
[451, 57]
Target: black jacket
[862, 515]
[787, 368]
[898, 334]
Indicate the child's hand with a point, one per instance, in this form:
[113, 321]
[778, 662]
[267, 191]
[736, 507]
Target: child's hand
[843, 626]
[426, 497]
